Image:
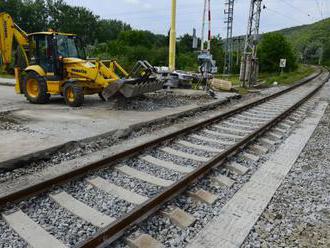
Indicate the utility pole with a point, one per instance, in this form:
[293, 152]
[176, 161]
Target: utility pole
[207, 9]
[249, 65]
[229, 13]
[172, 46]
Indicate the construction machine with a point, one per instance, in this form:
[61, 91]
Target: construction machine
[54, 63]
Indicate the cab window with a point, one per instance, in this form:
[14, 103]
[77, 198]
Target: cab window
[41, 52]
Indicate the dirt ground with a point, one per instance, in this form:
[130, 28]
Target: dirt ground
[25, 127]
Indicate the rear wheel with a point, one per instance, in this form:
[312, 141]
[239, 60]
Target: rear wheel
[73, 95]
[35, 88]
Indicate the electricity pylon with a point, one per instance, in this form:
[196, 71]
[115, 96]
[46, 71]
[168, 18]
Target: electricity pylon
[249, 65]
[229, 12]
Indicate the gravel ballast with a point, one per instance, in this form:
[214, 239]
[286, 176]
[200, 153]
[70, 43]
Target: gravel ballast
[299, 214]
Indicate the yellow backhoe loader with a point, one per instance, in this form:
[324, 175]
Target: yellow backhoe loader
[53, 63]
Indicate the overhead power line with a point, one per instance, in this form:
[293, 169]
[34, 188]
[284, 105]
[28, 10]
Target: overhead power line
[283, 15]
[296, 8]
[320, 8]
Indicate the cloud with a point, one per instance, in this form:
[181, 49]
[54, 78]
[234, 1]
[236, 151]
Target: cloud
[135, 2]
[154, 15]
[147, 6]
[140, 3]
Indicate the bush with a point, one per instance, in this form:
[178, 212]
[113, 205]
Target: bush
[271, 49]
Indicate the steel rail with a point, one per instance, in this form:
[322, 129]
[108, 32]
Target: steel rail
[43, 186]
[113, 231]
[116, 229]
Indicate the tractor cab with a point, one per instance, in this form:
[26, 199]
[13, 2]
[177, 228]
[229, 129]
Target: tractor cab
[48, 49]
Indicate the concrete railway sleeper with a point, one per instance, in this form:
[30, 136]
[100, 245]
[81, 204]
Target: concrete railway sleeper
[136, 183]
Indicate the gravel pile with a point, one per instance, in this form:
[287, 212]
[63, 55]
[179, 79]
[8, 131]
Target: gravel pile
[158, 100]
[8, 122]
[299, 214]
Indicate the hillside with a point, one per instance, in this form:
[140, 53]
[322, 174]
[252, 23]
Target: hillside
[309, 40]
[318, 31]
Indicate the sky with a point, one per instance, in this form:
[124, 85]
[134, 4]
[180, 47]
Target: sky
[154, 15]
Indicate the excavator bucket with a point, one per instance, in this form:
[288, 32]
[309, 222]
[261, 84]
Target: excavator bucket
[143, 79]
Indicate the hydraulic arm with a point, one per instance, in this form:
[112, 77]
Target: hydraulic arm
[8, 32]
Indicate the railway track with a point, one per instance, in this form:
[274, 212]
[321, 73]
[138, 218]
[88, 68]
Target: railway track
[94, 205]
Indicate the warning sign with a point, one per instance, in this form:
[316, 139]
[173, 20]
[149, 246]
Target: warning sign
[283, 63]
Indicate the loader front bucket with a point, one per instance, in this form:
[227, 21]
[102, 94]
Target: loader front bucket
[139, 87]
[142, 79]
[133, 87]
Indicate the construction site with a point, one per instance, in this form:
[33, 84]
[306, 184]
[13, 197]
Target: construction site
[188, 124]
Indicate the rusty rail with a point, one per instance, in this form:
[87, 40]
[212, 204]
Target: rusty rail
[113, 231]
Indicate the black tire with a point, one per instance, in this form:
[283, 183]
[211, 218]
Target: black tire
[37, 94]
[73, 95]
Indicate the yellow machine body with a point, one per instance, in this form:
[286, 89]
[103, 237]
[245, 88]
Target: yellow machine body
[55, 64]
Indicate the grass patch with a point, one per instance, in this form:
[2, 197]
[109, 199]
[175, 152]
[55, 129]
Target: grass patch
[288, 77]
[269, 78]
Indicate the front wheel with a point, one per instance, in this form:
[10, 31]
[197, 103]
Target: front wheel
[35, 88]
[73, 95]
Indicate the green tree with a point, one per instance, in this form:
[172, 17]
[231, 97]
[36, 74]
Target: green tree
[218, 52]
[326, 54]
[271, 49]
[185, 44]
[77, 20]
[108, 30]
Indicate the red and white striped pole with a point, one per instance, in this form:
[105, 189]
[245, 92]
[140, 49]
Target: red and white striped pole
[209, 33]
